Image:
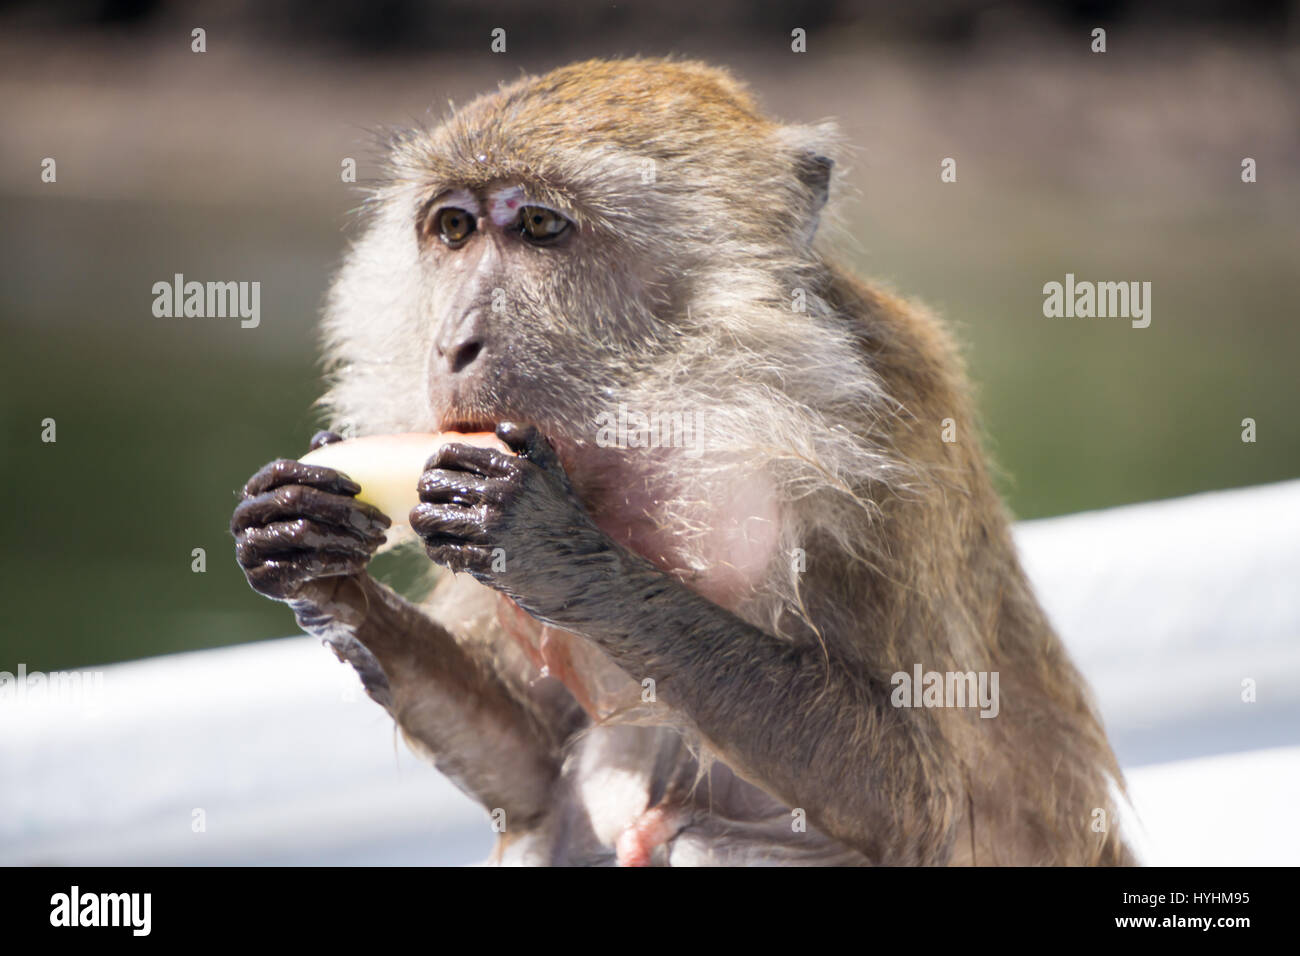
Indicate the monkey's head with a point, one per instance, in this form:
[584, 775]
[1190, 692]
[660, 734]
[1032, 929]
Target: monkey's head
[613, 235]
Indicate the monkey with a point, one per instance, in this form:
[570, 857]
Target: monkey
[676, 614]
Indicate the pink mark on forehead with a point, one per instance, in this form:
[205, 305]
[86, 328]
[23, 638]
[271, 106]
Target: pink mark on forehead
[502, 204]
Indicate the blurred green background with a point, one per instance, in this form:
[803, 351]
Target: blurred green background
[225, 166]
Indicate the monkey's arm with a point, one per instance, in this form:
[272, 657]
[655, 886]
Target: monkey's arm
[302, 538]
[448, 700]
[791, 718]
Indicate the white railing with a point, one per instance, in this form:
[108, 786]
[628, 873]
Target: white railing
[1167, 607]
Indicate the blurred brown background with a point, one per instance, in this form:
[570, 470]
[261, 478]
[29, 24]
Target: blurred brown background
[225, 166]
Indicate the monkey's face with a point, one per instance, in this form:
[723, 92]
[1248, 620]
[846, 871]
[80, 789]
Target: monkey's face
[572, 243]
[529, 314]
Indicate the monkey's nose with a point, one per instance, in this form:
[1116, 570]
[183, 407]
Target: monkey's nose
[463, 355]
[460, 343]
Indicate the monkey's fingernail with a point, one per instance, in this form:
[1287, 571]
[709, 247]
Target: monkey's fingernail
[323, 438]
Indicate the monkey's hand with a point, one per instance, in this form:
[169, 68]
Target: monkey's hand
[303, 538]
[299, 526]
[511, 521]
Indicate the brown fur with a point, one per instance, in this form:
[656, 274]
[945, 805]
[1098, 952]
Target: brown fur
[676, 294]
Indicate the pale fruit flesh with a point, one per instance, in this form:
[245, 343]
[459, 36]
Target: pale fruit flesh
[388, 467]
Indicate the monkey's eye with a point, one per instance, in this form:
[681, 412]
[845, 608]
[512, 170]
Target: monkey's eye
[539, 224]
[454, 225]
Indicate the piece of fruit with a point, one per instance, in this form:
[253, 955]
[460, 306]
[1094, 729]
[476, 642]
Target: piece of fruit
[388, 467]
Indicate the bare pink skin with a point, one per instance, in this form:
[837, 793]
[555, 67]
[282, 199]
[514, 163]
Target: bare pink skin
[504, 203]
[651, 830]
[737, 556]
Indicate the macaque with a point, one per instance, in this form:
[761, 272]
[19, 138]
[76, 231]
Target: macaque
[675, 615]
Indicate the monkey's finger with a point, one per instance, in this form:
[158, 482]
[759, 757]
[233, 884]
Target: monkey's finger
[323, 438]
[488, 462]
[303, 501]
[284, 538]
[531, 445]
[527, 442]
[281, 577]
[286, 471]
[446, 522]
[476, 559]
[443, 485]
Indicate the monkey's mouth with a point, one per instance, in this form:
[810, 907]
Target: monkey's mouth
[470, 425]
[471, 420]
[467, 425]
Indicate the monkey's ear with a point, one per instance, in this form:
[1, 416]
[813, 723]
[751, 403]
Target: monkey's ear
[814, 171]
[809, 149]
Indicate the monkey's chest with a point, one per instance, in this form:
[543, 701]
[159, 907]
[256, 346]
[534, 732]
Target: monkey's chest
[595, 682]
